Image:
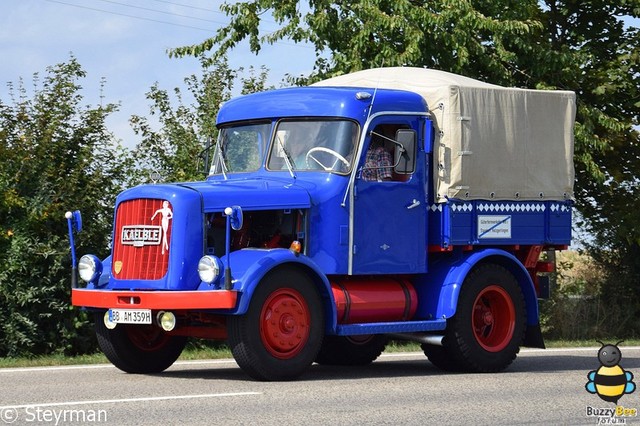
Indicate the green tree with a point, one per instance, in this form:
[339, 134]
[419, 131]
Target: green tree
[593, 52]
[455, 35]
[57, 156]
[585, 46]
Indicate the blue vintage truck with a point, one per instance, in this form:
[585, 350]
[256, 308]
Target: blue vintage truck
[392, 203]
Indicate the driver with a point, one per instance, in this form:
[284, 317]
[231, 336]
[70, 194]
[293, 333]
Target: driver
[378, 163]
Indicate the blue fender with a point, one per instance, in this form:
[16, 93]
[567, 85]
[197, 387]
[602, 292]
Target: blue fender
[103, 279]
[442, 299]
[106, 272]
[249, 266]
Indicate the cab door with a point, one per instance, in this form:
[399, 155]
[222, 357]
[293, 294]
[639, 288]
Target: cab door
[389, 214]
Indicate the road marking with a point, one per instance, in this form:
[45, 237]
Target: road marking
[127, 400]
[54, 368]
[589, 349]
[231, 361]
[206, 361]
[100, 366]
[522, 351]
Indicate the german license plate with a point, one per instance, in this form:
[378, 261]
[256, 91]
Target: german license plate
[130, 316]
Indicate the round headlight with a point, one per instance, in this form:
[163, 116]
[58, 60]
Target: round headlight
[107, 321]
[167, 320]
[209, 268]
[89, 268]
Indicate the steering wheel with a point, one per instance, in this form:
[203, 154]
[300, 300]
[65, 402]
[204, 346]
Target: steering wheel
[329, 151]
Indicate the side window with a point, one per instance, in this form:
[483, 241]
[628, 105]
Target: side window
[379, 158]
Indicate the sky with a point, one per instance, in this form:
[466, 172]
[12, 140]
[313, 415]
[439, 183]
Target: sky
[125, 42]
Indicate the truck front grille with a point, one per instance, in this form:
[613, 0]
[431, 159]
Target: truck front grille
[142, 239]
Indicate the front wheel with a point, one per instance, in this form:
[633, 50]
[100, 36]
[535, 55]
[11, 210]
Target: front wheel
[486, 332]
[280, 334]
[141, 349]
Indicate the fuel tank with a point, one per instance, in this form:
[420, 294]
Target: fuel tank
[362, 300]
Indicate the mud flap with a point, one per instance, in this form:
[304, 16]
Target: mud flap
[533, 337]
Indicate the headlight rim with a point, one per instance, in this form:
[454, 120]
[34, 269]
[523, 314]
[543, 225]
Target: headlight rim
[89, 268]
[214, 265]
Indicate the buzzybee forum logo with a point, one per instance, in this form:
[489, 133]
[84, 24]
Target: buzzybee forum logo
[610, 382]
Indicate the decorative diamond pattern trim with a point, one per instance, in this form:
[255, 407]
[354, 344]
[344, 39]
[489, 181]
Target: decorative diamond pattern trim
[526, 207]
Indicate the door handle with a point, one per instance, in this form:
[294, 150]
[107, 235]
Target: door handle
[415, 203]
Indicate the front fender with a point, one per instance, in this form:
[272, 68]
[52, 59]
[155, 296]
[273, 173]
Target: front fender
[249, 266]
[443, 298]
[102, 280]
[106, 272]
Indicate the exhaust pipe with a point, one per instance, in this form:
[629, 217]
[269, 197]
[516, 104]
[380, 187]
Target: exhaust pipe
[427, 339]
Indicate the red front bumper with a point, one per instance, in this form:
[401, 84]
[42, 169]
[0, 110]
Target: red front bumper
[209, 299]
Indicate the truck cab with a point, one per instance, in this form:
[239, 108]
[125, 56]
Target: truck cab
[319, 235]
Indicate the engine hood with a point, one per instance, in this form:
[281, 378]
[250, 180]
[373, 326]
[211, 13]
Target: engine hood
[251, 194]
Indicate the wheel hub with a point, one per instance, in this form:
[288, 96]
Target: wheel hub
[493, 319]
[488, 318]
[285, 323]
[288, 324]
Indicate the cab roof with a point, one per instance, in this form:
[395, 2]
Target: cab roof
[350, 102]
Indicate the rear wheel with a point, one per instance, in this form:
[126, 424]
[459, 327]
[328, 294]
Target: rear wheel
[486, 332]
[281, 333]
[440, 357]
[141, 349]
[351, 350]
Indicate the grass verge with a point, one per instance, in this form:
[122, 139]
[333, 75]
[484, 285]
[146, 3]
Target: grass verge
[220, 351]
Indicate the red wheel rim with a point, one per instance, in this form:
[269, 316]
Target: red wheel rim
[285, 323]
[147, 338]
[493, 319]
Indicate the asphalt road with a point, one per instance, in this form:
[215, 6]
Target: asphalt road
[541, 387]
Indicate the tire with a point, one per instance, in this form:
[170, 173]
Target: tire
[351, 350]
[485, 334]
[440, 357]
[138, 349]
[280, 334]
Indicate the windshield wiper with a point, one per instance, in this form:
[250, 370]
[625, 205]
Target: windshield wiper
[219, 159]
[287, 157]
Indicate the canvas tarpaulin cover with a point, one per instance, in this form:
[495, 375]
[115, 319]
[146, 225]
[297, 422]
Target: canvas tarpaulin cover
[491, 142]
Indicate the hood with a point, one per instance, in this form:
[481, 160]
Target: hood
[251, 194]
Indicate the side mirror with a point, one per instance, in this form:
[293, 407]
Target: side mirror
[405, 152]
[235, 217]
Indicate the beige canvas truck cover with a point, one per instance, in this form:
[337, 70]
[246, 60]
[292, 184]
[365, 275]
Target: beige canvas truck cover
[491, 142]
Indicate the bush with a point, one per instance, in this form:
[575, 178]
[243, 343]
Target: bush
[581, 307]
[57, 156]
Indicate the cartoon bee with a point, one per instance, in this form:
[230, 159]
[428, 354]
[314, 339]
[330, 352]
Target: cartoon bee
[610, 381]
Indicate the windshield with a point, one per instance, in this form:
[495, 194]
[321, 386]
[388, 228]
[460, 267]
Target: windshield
[240, 148]
[314, 145]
